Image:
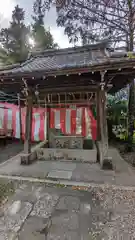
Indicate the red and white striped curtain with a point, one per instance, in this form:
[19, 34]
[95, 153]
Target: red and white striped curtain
[72, 121]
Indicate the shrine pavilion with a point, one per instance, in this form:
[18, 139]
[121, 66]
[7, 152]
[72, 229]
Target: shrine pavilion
[73, 76]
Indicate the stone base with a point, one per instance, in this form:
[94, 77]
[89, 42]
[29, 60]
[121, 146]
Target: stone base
[104, 160]
[98, 151]
[28, 158]
[80, 155]
[107, 163]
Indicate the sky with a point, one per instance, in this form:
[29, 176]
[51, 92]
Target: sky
[6, 7]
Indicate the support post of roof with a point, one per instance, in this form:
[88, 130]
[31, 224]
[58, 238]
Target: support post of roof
[48, 120]
[20, 117]
[28, 125]
[104, 159]
[26, 156]
[48, 125]
[98, 100]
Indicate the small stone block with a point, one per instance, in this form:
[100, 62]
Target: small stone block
[28, 158]
[107, 163]
[60, 174]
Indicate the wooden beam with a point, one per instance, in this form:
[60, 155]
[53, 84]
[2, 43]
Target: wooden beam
[71, 89]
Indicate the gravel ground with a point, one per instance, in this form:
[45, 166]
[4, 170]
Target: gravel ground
[121, 211]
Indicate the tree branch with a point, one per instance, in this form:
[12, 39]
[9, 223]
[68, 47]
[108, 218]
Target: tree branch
[100, 15]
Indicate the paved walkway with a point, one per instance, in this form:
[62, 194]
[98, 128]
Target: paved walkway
[123, 173]
[38, 212]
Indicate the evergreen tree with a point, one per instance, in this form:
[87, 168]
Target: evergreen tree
[4, 58]
[42, 37]
[15, 38]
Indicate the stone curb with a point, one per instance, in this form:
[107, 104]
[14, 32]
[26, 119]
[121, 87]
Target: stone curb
[69, 183]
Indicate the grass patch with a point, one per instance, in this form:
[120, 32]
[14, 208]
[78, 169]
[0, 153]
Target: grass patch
[6, 189]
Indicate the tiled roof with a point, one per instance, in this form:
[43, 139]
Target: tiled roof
[64, 59]
[61, 59]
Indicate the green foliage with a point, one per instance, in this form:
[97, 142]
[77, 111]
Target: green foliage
[131, 110]
[117, 110]
[42, 37]
[117, 116]
[14, 39]
[131, 55]
[4, 58]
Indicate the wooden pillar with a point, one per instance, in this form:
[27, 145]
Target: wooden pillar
[104, 159]
[98, 100]
[47, 107]
[28, 126]
[103, 117]
[103, 141]
[48, 123]
[20, 117]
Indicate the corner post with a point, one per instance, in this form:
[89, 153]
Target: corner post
[20, 117]
[103, 123]
[28, 125]
[27, 156]
[98, 100]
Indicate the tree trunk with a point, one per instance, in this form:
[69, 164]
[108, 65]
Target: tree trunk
[131, 102]
[131, 113]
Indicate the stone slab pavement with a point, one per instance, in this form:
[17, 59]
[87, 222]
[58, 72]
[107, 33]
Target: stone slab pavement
[40, 212]
[123, 174]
